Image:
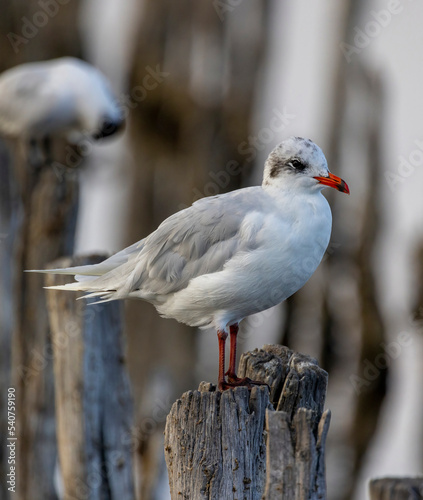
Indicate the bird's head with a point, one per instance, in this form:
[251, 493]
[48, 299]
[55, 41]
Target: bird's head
[99, 112]
[299, 163]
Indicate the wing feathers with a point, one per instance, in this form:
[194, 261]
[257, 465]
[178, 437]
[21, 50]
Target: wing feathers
[196, 241]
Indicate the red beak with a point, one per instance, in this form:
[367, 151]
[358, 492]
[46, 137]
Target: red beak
[334, 182]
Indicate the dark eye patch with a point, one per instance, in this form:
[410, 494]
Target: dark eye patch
[277, 165]
[297, 165]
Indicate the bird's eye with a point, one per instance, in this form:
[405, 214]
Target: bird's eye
[297, 165]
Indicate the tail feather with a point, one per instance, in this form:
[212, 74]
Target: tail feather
[104, 298]
[70, 287]
[104, 295]
[85, 273]
[105, 280]
[81, 273]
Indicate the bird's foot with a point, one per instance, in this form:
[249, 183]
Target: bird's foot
[234, 381]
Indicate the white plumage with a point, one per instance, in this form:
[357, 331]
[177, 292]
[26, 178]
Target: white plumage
[61, 97]
[228, 256]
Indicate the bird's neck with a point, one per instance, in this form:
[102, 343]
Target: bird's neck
[291, 187]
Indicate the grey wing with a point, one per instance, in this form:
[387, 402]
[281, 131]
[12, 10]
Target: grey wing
[196, 241]
[118, 260]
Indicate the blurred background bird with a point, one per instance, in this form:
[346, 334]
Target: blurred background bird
[64, 97]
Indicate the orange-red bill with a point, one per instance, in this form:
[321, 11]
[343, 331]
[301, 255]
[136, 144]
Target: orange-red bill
[335, 182]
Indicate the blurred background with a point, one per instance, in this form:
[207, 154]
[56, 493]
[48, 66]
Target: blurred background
[229, 79]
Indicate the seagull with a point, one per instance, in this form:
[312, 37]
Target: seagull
[64, 97]
[228, 256]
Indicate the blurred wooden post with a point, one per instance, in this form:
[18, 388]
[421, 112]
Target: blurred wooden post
[93, 401]
[45, 205]
[396, 488]
[215, 446]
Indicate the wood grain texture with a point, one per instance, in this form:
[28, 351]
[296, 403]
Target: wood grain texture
[295, 380]
[93, 401]
[215, 442]
[396, 488]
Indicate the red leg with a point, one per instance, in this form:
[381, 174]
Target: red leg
[233, 380]
[231, 373]
[222, 335]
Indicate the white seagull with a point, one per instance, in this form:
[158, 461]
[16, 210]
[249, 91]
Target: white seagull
[64, 97]
[228, 256]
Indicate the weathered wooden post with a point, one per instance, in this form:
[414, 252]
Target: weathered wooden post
[396, 488]
[216, 447]
[93, 401]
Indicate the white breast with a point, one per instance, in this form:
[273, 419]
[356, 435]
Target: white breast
[289, 246]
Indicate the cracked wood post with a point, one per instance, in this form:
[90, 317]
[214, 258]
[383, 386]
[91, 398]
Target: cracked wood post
[396, 488]
[92, 393]
[215, 446]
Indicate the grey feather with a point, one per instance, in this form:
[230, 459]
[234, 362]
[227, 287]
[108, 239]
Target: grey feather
[196, 241]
